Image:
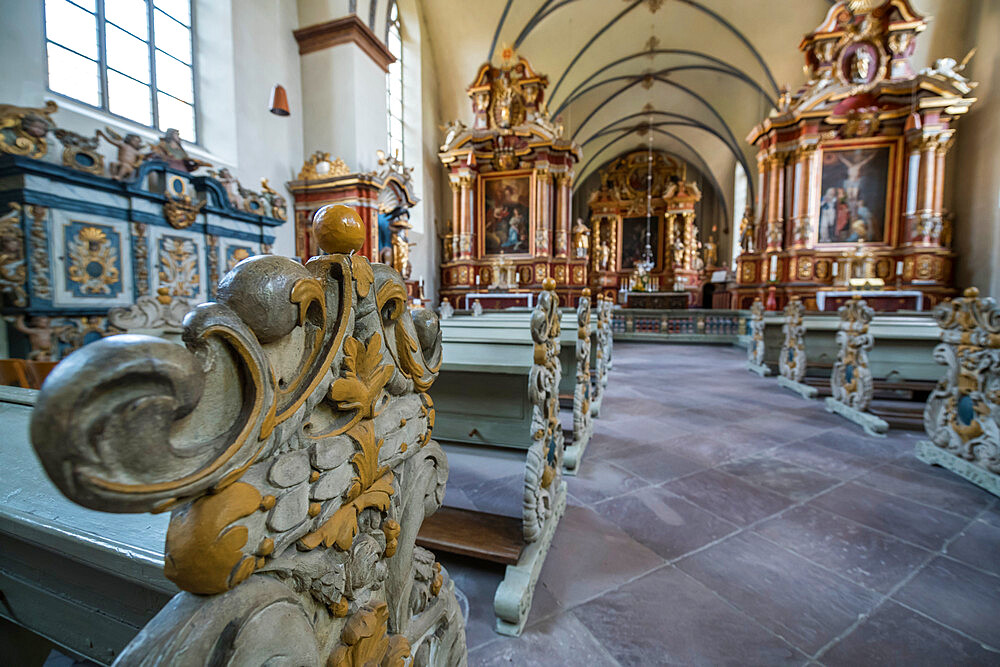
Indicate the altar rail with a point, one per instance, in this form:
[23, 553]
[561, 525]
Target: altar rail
[679, 326]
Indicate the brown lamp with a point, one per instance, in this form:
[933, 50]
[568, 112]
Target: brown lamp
[279, 100]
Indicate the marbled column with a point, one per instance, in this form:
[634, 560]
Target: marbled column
[562, 223]
[775, 202]
[543, 204]
[690, 240]
[465, 226]
[456, 215]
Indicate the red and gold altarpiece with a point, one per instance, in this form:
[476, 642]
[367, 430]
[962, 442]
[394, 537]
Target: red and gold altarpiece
[851, 167]
[618, 225]
[511, 177]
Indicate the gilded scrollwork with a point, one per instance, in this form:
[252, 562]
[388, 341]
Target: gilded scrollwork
[961, 413]
[178, 260]
[582, 419]
[792, 362]
[94, 259]
[543, 471]
[41, 280]
[756, 348]
[851, 381]
[23, 130]
[13, 267]
[292, 445]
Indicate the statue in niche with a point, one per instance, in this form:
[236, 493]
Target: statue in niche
[710, 249]
[394, 245]
[748, 230]
[605, 257]
[170, 150]
[129, 153]
[581, 240]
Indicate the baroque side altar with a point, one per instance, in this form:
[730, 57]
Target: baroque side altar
[851, 166]
[511, 177]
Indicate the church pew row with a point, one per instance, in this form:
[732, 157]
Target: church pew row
[497, 392]
[961, 414]
[290, 443]
[691, 325]
[803, 348]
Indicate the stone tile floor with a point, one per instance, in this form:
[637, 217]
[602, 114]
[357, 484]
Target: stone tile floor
[719, 519]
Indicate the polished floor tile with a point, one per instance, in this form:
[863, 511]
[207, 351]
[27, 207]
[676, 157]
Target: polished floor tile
[718, 519]
[791, 596]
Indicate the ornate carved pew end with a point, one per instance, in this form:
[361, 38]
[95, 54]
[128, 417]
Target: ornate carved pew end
[603, 351]
[851, 380]
[582, 418]
[961, 416]
[291, 441]
[792, 360]
[755, 349]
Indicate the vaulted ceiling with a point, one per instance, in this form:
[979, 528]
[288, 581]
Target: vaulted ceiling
[704, 72]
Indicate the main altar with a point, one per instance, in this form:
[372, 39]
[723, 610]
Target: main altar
[511, 177]
[851, 167]
[647, 190]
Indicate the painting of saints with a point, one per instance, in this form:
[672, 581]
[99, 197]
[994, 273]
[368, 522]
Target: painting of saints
[506, 215]
[854, 191]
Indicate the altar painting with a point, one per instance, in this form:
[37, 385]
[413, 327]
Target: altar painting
[505, 209]
[854, 194]
[633, 241]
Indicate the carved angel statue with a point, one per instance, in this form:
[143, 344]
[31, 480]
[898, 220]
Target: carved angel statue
[129, 153]
[276, 201]
[747, 230]
[451, 131]
[232, 186]
[170, 150]
[41, 336]
[948, 68]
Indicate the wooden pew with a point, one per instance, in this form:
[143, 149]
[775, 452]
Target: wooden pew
[487, 396]
[755, 340]
[851, 378]
[902, 367]
[85, 580]
[792, 359]
[291, 443]
[961, 412]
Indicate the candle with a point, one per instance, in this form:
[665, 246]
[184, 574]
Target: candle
[836, 265]
[774, 267]
[899, 268]
[477, 281]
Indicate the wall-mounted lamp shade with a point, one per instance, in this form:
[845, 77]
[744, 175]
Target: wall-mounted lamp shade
[279, 101]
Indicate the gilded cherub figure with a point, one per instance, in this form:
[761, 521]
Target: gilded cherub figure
[41, 336]
[129, 153]
[170, 150]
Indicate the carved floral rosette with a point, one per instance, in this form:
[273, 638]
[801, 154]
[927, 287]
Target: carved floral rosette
[851, 380]
[755, 351]
[543, 467]
[792, 362]
[581, 394]
[962, 412]
[291, 440]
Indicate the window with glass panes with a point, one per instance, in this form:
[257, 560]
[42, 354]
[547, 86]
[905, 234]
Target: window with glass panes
[394, 85]
[132, 58]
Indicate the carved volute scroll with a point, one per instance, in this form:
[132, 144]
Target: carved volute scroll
[792, 362]
[291, 440]
[851, 380]
[162, 311]
[543, 468]
[755, 351]
[961, 416]
[581, 393]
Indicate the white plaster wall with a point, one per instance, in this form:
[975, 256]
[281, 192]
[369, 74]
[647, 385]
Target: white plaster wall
[269, 146]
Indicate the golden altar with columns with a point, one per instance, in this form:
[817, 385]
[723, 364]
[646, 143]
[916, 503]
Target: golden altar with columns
[853, 164]
[511, 177]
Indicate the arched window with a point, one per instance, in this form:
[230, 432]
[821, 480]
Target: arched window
[131, 58]
[394, 85]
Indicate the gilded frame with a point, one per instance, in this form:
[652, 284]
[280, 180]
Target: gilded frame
[480, 230]
[893, 190]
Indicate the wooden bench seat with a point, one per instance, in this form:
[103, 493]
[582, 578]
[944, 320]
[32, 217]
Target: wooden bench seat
[489, 537]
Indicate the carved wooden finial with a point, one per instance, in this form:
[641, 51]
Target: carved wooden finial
[338, 229]
[585, 292]
[971, 293]
[549, 284]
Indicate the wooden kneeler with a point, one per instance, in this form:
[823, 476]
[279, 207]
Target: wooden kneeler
[519, 543]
